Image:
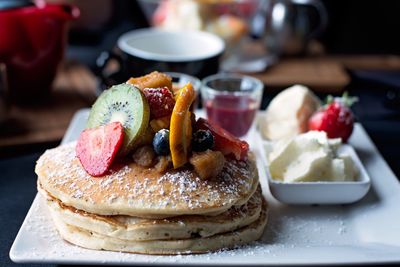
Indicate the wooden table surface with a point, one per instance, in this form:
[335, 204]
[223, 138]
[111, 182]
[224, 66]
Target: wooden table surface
[47, 120]
[323, 73]
[75, 88]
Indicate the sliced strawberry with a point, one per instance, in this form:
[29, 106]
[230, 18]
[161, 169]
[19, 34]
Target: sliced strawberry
[224, 141]
[161, 101]
[97, 147]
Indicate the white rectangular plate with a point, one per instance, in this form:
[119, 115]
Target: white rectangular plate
[365, 232]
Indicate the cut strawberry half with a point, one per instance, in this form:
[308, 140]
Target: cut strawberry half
[224, 141]
[161, 101]
[97, 147]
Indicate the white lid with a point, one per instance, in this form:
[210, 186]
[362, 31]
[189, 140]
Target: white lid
[176, 46]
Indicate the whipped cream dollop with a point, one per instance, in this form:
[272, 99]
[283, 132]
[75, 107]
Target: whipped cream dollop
[310, 157]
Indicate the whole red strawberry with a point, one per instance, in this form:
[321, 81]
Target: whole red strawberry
[97, 147]
[161, 101]
[336, 118]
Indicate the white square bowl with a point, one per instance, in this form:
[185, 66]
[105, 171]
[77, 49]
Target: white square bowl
[330, 192]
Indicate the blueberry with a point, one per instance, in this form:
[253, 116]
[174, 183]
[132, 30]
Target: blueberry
[161, 142]
[202, 140]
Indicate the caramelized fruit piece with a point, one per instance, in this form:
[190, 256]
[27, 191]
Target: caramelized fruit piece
[144, 156]
[152, 80]
[181, 126]
[224, 141]
[163, 164]
[160, 123]
[97, 147]
[207, 164]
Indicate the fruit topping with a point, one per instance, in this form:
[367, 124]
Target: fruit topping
[224, 141]
[97, 147]
[144, 156]
[207, 164]
[202, 140]
[161, 142]
[161, 101]
[181, 126]
[163, 164]
[336, 118]
[146, 138]
[126, 104]
[161, 123]
[152, 80]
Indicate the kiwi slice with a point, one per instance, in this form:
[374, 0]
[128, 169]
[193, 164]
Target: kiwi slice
[124, 103]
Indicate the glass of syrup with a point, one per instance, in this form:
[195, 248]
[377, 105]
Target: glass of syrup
[232, 101]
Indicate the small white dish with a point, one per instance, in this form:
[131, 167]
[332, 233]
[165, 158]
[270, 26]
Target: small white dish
[322, 192]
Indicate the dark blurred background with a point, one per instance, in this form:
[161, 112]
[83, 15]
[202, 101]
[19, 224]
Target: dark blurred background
[366, 28]
[362, 27]
[355, 27]
[359, 51]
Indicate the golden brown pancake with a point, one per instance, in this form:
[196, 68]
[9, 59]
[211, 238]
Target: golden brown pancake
[143, 192]
[139, 229]
[91, 240]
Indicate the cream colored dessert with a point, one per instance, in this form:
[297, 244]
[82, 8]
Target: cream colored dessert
[310, 157]
[288, 113]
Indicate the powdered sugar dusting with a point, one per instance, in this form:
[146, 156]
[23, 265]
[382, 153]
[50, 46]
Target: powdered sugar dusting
[143, 188]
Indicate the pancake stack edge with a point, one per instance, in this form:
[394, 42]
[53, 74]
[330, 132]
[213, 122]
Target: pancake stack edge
[136, 210]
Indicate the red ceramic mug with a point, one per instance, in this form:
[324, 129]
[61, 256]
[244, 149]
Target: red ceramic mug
[32, 41]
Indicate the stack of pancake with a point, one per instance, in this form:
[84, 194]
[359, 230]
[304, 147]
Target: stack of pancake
[136, 209]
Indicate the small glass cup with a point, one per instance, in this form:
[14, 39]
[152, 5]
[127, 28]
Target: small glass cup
[232, 101]
[180, 79]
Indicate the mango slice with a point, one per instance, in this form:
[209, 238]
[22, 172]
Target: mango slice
[181, 126]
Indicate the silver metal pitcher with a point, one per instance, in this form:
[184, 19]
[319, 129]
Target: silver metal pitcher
[280, 27]
[285, 26]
